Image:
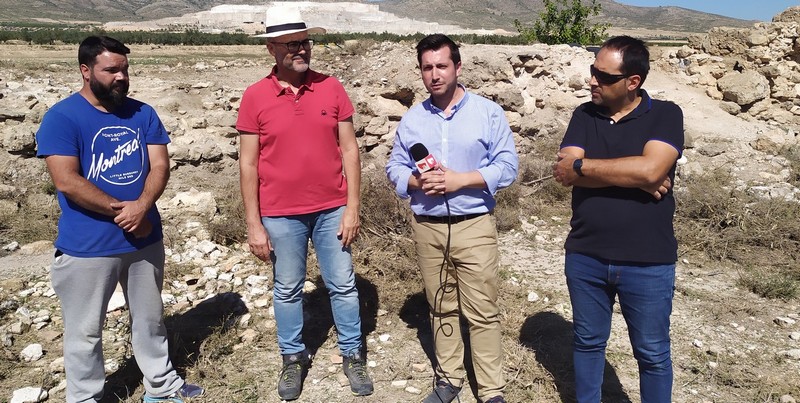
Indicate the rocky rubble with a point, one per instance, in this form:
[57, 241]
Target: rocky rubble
[753, 72]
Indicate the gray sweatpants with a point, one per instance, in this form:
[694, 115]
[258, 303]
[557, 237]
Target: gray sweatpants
[84, 286]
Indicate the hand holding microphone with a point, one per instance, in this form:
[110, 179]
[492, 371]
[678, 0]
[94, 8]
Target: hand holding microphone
[431, 178]
[425, 160]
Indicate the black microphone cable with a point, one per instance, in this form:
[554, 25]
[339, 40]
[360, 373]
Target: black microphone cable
[439, 297]
[420, 154]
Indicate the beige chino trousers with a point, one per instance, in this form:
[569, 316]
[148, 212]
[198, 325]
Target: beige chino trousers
[465, 285]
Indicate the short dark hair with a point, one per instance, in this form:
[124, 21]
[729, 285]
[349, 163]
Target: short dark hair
[435, 42]
[95, 45]
[635, 56]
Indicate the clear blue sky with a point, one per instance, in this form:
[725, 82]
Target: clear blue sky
[762, 10]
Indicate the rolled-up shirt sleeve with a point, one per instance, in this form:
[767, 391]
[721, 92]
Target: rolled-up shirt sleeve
[503, 163]
[399, 167]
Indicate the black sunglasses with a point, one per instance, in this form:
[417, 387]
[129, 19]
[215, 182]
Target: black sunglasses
[606, 78]
[294, 46]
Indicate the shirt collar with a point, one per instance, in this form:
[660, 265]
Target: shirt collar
[308, 83]
[428, 104]
[644, 106]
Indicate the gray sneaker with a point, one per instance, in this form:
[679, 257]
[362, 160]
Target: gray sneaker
[186, 391]
[290, 383]
[355, 367]
[443, 392]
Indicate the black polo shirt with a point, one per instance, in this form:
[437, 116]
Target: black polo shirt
[615, 223]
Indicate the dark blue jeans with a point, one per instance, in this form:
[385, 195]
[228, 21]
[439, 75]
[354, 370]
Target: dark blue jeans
[645, 295]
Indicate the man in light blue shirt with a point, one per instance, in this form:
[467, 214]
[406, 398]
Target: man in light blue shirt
[455, 232]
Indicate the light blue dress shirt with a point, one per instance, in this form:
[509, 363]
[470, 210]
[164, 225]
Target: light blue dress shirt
[475, 136]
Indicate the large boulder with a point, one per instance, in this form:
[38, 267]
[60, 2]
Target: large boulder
[195, 147]
[490, 66]
[191, 204]
[390, 108]
[19, 139]
[506, 95]
[772, 142]
[722, 41]
[744, 88]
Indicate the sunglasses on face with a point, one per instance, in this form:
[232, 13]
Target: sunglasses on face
[606, 78]
[294, 46]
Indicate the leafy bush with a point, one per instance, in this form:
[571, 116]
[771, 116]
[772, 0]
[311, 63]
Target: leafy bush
[561, 22]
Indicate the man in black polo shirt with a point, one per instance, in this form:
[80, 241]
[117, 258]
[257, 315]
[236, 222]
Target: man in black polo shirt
[619, 155]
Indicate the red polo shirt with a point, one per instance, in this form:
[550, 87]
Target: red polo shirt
[299, 161]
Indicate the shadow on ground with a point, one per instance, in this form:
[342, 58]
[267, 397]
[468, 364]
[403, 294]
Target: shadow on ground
[319, 315]
[416, 314]
[549, 336]
[187, 331]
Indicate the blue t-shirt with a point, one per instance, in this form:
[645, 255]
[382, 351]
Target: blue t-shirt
[112, 152]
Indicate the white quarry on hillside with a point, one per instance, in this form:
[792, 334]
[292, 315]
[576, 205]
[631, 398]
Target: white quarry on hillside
[334, 17]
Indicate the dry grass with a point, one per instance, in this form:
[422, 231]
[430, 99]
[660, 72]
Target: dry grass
[761, 236]
[792, 154]
[228, 227]
[771, 283]
[38, 211]
[722, 369]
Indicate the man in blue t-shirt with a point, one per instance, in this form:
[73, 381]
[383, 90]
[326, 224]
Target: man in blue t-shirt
[619, 155]
[107, 156]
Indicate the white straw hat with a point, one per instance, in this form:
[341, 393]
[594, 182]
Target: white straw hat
[284, 21]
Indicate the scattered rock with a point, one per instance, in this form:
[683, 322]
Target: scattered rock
[784, 322]
[36, 248]
[11, 246]
[420, 367]
[33, 352]
[248, 335]
[533, 296]
[29, 395]
[793, 353]
[57, 365]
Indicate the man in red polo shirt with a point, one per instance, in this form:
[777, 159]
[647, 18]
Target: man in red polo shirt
[300, 178]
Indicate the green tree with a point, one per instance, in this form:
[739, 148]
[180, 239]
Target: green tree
[562, 22]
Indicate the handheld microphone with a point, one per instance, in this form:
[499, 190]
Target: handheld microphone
[425, 160]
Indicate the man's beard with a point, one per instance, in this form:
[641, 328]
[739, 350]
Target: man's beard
[301, 68]
[114, 95]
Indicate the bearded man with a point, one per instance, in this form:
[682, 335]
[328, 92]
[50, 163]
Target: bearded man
[107, 157]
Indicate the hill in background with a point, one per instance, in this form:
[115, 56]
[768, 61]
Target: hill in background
[473, 14]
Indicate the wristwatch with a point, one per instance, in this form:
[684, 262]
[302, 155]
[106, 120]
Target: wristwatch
[577, 165]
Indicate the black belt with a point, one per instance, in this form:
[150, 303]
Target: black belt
[452, 219]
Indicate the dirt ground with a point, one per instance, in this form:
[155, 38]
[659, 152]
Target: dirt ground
[727, 345]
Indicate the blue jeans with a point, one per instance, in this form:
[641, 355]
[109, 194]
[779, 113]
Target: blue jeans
[289, 236]
[645, 296]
